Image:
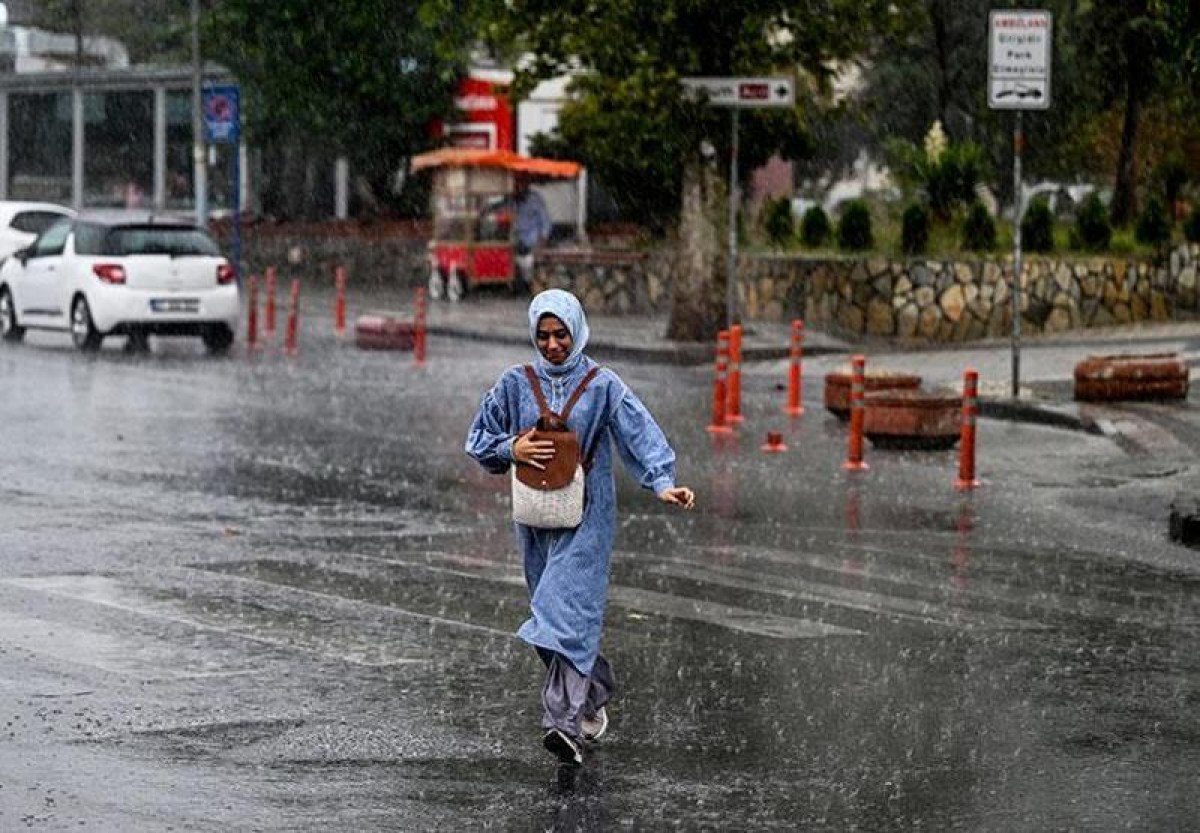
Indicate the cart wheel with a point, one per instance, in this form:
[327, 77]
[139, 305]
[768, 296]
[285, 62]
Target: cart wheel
[437, 285]
[455, 288]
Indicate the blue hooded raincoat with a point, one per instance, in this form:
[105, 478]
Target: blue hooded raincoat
[566, 570]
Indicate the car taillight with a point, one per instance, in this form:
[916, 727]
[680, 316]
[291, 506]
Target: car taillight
[109, 272]
[225, 274]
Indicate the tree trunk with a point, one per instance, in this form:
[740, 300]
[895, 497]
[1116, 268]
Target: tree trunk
[1124, 202]
[698, 280]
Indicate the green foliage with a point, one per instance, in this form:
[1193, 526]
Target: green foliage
[1153, 225]
[914, 231]
[814, 227]
[854, 228]
[1170, 177]
[362, 78]
[979, 229]
[1091, 223]
[1191, 226]
[778, 222]
[1037, 227]
[947, 181]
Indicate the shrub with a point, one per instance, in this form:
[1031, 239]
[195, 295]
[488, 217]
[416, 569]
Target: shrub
[1191, 226]
[947, 173]
[814, 227]
[1153, 226]
[979, 229]
[1092, 225]
[778, 223]
[854, 230]
[914, 230]
[1037, 227]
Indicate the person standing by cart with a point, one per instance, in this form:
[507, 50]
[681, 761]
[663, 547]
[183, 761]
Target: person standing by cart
[566, 570]
[533, 226]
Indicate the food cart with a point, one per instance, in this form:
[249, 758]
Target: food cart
[475, 215]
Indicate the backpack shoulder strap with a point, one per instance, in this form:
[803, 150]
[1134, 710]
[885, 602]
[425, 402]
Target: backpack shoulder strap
[537, 390]
[591, 374]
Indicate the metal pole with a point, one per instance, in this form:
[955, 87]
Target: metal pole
[237, 211]
[199, 149]
[1018, 212]
[731, 299]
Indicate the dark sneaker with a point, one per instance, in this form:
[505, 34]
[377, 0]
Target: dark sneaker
[593, 728]
[562, 747]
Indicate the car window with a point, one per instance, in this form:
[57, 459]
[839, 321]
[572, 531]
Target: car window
[159, 240]
[52, 240]
[89, 239]
[35, 222]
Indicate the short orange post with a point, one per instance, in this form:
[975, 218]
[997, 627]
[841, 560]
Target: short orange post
[269, 316]
[854, 456]
[419, 311]
[966, 443]
[795, 372]
[719, 424]
[289, 345]
[339, 302]
[252, 315]
[774, 443]
[734, 410]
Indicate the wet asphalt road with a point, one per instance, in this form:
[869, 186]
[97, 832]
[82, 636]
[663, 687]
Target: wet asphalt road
[273, 594]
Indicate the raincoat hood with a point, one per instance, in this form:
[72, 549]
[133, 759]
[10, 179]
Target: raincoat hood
[566, 308]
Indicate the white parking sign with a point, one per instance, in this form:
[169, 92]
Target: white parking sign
[1019, 59]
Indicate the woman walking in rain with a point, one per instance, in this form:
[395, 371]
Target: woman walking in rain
[566, 570]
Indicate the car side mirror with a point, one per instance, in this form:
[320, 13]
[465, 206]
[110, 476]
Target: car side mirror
[22, 255]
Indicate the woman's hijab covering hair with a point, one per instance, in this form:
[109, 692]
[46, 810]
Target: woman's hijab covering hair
[566, 308]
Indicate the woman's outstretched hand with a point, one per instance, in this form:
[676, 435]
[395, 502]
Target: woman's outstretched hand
[533, 452]
[678, 496]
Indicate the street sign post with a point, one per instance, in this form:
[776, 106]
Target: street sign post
[1019, 43]
[738, 93]
[222, 113]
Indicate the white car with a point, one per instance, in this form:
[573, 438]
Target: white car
[120, 273]
[22, 222]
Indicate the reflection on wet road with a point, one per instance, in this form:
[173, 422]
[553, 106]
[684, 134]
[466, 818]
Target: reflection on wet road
[273, 594]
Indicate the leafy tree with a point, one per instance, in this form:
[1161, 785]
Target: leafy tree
[1153, 225]
[814, 227]
[778, 223]
[914, 230]
[979, 230]
[1091, 224]
[854, 228]
[1037, 227]
[361, 79]
[633, 125]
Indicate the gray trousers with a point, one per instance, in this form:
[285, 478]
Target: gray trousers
[568, 696]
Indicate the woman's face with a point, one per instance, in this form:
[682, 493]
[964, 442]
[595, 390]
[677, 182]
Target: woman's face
[553, 339]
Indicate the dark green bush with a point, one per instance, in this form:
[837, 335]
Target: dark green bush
[854, 230]
[1153, 227]
[1037, 227]
[979, 229]
[1191, 226]
[1092, 225]
[814, 227]
[778, 222]
[914, 230]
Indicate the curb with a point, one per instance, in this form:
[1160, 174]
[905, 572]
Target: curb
[1055, 416]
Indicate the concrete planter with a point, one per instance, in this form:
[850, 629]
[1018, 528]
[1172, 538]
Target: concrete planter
[1131, 377]
[837, 387]
[913, 419]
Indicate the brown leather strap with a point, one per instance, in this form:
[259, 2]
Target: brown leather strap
[541, 398]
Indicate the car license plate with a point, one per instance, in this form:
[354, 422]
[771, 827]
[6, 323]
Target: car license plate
[174, 304]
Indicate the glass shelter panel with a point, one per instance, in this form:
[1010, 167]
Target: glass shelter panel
[179, 175]
[39, 166]
[119, 148]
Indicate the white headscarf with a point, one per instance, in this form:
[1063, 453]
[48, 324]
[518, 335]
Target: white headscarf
[566, 308]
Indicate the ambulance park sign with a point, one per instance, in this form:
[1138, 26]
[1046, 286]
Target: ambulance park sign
[1019, 59]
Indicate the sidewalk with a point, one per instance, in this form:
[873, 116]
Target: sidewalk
[1047, 362]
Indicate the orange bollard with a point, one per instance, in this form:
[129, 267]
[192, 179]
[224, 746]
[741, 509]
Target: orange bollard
[339, 302]
[289, 345]
[966, 444]
[794, 406]
[419, 309]
[733, 411]
[269, 316]
[252, 315]
[719, 424]
[774, 443]
[854, 456]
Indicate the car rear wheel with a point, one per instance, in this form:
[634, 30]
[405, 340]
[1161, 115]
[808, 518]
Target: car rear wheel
[83, 331]
[10, 330]
[218, 339]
